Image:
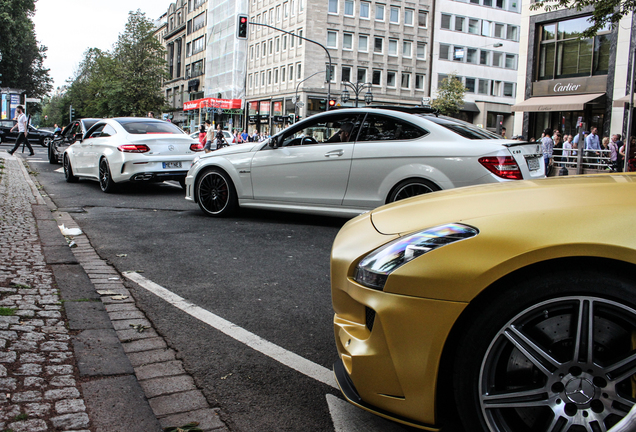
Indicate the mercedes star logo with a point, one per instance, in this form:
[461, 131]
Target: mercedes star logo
[579, 391]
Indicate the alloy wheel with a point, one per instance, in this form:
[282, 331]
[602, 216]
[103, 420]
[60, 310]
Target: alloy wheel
[567, 365]
[410, 190]
[214, 193]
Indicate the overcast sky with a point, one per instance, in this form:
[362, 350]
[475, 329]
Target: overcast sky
[69, 27]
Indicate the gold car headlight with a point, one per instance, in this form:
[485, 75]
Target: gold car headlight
[375, 268]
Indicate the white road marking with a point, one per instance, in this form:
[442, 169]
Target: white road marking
[281, 355]
[60, 170]
[349, 418]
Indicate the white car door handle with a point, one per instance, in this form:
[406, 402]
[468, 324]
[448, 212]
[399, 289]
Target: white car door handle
[336, 153]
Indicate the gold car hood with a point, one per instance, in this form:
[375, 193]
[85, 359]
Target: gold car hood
[474, 202]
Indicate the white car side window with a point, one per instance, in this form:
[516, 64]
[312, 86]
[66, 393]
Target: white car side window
[331, 129]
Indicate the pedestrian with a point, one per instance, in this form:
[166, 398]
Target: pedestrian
[567, 149]
[593, 146]
[503, 133]
[619, 158]
[558, 147]
[56, 129]
[245, 136]
[255, 136]
[220, 138]
[614, 155]
[151, 114]
[202, 134]
[208, 137]
[23, 129]
[547, 146]
[237, 137]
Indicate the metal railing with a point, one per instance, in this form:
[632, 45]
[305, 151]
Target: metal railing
[591, 160]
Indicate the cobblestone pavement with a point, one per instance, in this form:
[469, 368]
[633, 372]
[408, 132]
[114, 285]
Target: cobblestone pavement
[39, 388]
[76, 354]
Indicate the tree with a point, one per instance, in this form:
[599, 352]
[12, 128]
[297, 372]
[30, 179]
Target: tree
[22, 58]
[450, 96]
[140, 67]
[604, 12]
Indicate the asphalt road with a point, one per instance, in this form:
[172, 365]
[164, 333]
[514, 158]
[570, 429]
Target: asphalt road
[266, 272]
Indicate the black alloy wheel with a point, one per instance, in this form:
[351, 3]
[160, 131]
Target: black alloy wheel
[410, 188]
[106, 182]
[215, 193]
[562, 364]
[68, 171]
[46, 141]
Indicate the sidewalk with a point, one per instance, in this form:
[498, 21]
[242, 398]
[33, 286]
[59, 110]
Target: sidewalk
[75, 352]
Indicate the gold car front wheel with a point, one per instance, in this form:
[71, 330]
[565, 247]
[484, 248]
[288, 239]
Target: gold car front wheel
[563, 359]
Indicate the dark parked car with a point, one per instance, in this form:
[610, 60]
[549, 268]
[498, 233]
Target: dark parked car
[36, 136]
[68, 136]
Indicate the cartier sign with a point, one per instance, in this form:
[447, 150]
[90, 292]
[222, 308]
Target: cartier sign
[570, 86]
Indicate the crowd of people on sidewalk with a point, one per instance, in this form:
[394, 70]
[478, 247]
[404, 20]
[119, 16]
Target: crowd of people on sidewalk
[607, 153]
[212, 139]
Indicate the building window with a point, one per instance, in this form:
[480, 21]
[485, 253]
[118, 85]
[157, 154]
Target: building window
[198, 45]
[512, 33]
[278, 44]
[346, 73]
[285, 10]
[444, 52]
[265, 18]
[421, 50]
[362, 75]
[419, 82]
[291, 72]
[270, 44]
[271, 16]
[473, 26]
[470, 85]
[198, 22]
[292, 40]
[446, 22]
[408, 17]
[284, 42]
[406, 80]
[275, 76]
[393, 47]
[258, 46]
[262, 79]
[484, 57]
[300, 41]
[251, 51]
[363, 43]
[269, 77]
[348, 8]
[511, 61]
[484, 87]
[379, 12]
[499, 30]
[459, 23]
[509, 89]
[390, 79]
[282, 74]
[406, 49]
[458, 53]
[197, 68]
[377, 77]
[249, 81]
[333, 6]
[365, 7]
[332, 39]
[496, 59]
[394, 15]
[293, 8]
[347, 41]
[422, 19]
[278, 13]
[562, 54]
[486, 28]
[378, 45]
[189, 49]
[298, 71]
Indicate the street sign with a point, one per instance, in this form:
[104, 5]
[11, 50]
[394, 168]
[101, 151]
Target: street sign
[294, 99]
[300, 104]
[37, 100]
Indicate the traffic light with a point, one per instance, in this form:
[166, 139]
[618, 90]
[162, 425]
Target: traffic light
[241, 31]
[71, 113]
[332, 103]
[322, 106]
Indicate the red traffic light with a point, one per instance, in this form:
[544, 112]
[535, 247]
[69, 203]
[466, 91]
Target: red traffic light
[243, 20]
[332, 102]
[241, 31]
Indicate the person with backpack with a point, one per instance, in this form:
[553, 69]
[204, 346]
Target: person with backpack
[23, 131]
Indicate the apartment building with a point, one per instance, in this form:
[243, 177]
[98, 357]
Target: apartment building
[383, 46]
[184, 36]
[563, 78]
[478, 41]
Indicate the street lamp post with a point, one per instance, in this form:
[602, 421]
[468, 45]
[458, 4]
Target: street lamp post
[357, 89]
[296, 95]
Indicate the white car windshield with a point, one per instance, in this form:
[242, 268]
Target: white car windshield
[150, 127]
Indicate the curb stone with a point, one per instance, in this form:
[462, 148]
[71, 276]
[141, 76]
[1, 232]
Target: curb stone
[169, 389]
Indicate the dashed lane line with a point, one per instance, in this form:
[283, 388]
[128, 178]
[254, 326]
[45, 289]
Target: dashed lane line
[281, 355]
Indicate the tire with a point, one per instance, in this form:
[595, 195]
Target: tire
[106, 182]
[215, 193]
[68, 171]
[518, 368]
[410, 188]
[46, 141]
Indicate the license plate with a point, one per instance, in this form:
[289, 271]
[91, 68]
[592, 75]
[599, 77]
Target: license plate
[171, 165]
[533, 164]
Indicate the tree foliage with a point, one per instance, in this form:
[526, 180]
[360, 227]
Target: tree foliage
[22, 57]
[450, 95]
[604, 12]
[124, 82]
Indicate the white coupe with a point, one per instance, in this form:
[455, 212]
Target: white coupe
[348, 161]
[130, 149]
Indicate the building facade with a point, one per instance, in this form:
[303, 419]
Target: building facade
[478, 41]
[564, 79]
[184, 37]
[382, 46]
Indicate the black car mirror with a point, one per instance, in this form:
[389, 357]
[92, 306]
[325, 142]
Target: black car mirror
[78, 137]
[273, 142]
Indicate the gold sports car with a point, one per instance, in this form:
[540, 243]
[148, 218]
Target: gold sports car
[511, 307]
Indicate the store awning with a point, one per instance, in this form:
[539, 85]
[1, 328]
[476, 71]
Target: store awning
[619, 103]
[556, 103]
[470, 107]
